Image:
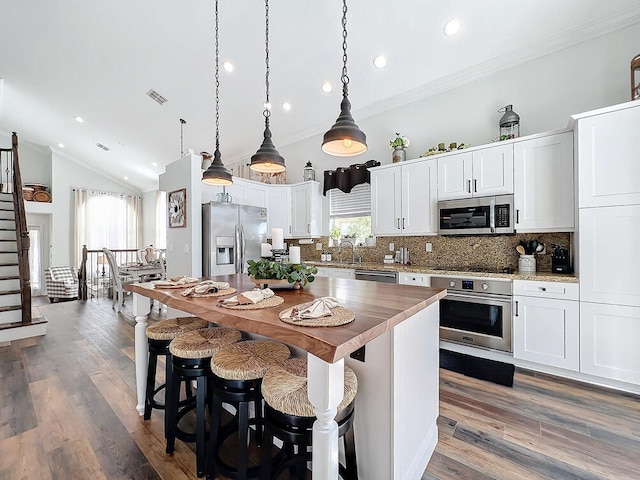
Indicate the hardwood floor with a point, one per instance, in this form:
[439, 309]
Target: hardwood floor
[67, 411]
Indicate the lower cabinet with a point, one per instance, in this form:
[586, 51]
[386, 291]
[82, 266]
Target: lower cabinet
[609, 341]
[336, 272]
[546, 323]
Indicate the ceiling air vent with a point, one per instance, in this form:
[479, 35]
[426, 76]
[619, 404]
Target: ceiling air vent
[105, 148]
[156, 96]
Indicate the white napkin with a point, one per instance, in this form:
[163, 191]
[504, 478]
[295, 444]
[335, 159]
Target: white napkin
[205, 287]
[251, 297]
[321, 307]
[176, 281]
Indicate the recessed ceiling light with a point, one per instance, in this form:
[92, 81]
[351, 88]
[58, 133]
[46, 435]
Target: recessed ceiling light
[61, 145]
[380, 61]
[79, 119]
[327, 87]
[286, 106]
[154, 164]
[228, 67]
[126, 178]
[452, 27]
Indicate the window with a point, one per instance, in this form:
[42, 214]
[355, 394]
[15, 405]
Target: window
[350, 213]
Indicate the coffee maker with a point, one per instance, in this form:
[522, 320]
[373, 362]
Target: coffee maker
[560, 260]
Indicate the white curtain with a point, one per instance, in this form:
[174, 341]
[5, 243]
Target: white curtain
[106, 220]
[161, 219]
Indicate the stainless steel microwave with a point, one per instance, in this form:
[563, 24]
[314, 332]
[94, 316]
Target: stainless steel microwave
[476, 216]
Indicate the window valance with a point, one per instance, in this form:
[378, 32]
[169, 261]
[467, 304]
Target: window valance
[345, 178]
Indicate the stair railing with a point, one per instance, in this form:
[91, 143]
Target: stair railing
[92, 270]
[10, 179]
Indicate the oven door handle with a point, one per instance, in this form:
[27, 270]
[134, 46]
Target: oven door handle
[485, 300]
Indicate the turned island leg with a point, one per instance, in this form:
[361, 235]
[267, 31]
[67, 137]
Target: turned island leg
[141, 309]
[325, 390]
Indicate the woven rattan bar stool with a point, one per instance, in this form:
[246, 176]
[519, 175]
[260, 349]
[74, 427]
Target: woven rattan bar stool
[289, 416]
[237, 375]
[190, 358]
[159, 335]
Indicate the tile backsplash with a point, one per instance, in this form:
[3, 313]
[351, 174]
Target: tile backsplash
[485, 251]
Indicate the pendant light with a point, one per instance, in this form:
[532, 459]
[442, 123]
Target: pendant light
[267, 159]
[344, 139]
[216, 174]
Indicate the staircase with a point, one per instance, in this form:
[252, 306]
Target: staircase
[16, 319]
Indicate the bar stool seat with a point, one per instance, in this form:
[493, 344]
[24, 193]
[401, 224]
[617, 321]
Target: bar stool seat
[237, 374]
[159, 335]
[289, 416]
[191, 357]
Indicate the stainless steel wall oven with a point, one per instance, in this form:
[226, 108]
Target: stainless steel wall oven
[476, 311]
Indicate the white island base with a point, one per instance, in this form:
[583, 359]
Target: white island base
[397, 404]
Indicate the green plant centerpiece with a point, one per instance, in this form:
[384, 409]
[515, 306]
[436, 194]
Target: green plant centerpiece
[265, 272]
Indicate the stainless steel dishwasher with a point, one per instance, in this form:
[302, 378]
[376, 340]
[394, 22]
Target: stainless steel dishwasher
[377, 276]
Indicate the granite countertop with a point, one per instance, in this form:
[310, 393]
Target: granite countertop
[431, 270]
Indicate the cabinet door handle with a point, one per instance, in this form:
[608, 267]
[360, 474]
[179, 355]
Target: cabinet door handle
[475, 185]
[403, 223]
[517, 216]
[308, 228]
[289, 228]
[398, 223]
[516, 308]
[469, 186]
[544, 289]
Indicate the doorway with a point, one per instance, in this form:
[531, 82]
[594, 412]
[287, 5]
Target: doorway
[38, 226]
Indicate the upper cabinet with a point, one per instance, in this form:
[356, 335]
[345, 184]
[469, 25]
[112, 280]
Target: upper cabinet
[403, 199]
[279, 209]
[484, 172]
[609, 167]
[543, 191]
[306, 210]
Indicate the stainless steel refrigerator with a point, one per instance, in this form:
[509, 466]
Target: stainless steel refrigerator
[231, 235]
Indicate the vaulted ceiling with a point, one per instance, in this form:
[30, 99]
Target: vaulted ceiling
[98, 60]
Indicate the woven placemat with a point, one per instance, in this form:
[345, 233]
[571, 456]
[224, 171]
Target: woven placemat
[268, 303]
[184, 285]
[219, 293]
[340, 316]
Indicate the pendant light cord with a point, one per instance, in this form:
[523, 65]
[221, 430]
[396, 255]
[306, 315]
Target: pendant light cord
[267, 111]
[345, 77]
[217, 85]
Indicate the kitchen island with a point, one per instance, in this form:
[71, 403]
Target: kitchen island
[397, 400]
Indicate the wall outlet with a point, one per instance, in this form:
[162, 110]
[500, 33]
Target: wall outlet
[428, 247]
[318, 246]
[186, 248]
[170, 248]
[392, 247]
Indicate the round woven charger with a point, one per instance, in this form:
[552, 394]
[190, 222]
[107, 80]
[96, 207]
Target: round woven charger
[172, 327]
[184, 285]
[219, 293]
[268, 303]
[248, 360]
[284, 388]
[340, 316]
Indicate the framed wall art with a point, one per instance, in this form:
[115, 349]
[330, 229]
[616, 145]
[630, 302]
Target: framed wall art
[177, 201]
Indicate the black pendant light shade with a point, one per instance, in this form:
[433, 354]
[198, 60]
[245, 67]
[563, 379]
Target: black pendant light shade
[267, 159]
[217, 174]
[344, 139]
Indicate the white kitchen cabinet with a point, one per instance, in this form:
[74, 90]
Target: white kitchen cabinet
[609, 260]
[543, 190]
[609, 341]
[279, 209]
[420, 279]
[306, 210]
[608, 155]
[256, 194]
[349, 273]
[546, 325]
[403, 199]
[481, 173]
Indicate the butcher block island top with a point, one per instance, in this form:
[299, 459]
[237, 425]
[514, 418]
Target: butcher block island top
[378, 307]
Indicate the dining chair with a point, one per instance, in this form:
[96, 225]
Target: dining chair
[118, 280]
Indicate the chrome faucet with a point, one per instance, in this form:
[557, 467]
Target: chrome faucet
[353, 253]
